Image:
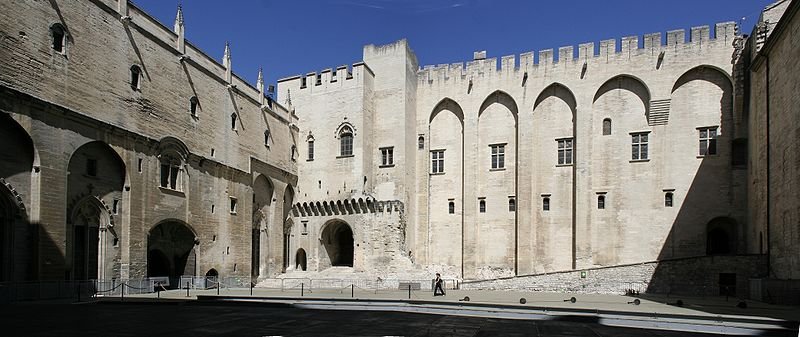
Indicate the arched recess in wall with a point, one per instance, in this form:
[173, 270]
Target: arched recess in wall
[96, 176]
[721, 236]
[263, 190]
[171, 250]
[445, 162]
[629, 83]
[625, 100]
[497, 177]
[18, 159]
[554, 153]
[708, 90]
[338, 240]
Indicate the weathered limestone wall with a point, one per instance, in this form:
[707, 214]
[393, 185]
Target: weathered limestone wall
[688, 276]
[66, 100]
[774, 136]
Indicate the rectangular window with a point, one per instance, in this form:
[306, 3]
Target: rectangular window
[233, 205]
[498, 156]
[482, 205]
[639, 146]
[91, 167]
[451, 206]
[546, 203]
[564, 151]
[169, 176]
[387, 156]
[139, 167]
[310, 150]
[115, 207]
[512, 204]
[708, 141]
[437, 161]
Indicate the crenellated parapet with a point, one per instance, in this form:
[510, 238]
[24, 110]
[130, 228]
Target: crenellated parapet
[628, 48]
[342, 77]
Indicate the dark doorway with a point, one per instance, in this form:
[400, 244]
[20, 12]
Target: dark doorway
[721, 237]
[338, 240]
[170, 247]
[212, 278]
[157, 264]
[300, 259]
[727, 284]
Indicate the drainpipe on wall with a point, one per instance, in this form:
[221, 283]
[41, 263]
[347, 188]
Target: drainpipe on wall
[769, 215]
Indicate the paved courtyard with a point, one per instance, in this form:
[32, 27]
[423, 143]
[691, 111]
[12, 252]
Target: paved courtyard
[197, 319]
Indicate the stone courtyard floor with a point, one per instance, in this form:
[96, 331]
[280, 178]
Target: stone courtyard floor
[329, 312]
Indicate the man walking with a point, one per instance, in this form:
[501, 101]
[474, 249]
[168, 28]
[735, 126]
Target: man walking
[437, 288]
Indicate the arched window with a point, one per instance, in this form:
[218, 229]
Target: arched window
[601, 202]
[421, 142]
[294, 153]
[482, 205]
[136, 76]
[59, 35]
[233, 121]
[512, 205]
[606, 126]
[668, 199]
[266, 137]
[346, 141]
[451, 207]
[193, 105]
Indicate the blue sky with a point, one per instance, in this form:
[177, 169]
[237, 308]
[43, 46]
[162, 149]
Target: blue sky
[290, 37]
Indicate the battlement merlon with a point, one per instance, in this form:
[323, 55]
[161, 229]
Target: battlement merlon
[606, 49]
[329, 79]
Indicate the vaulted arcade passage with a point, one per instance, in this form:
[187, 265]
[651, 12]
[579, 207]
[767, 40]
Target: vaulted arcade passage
[170, 251]
[338, 240]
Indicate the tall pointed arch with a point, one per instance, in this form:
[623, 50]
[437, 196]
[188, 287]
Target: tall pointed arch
[500, 97]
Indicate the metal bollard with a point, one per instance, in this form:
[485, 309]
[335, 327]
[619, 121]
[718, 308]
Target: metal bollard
[187, 289]
[218, 284]
[352, 291]
[302, 289]
[122, 293]
[409, 291]
[158, 291]
[251, 288]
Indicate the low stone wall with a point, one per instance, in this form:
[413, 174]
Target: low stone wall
[688, 276]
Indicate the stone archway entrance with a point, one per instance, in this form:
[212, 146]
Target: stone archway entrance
[337, 237]
[300, 259]
[721, 236]
[170, 251]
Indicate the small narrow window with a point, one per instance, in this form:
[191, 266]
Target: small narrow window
[115, 207]
[564, 151]
[294, 153]
[512, 204]
[421, 142]
[601, 202]
[302, 82]
[708, 141]
[311, 149]
[266, 137]
[233, 121]
[606, 126]
[136, 75]
[668, 199]
[59, 37]
[482, 205]
[91, 167]
[451, 207]
[546, 203]
[437, 161]
[233, 205]
[193, 106]
[115, 242]
[140, 164]
[387, 156]
[639, 142]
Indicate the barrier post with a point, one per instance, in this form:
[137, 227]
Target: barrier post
[218, 284]
[251, 288]
[122, 293]
[302, 290]
[187, 288]
[352, 290]
[409, 290]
